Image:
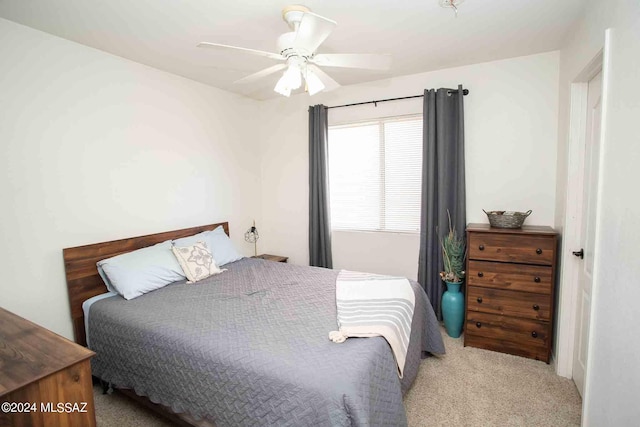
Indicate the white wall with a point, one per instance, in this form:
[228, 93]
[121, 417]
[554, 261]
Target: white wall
[94, 148]
[510, 126]
[613, 374]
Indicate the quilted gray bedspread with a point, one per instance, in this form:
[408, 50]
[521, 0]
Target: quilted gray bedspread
[250, 347]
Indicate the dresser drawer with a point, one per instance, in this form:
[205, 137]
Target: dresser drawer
[510, 347]
[515, 277]
[523, 331]
[510, 303]
[504, 247]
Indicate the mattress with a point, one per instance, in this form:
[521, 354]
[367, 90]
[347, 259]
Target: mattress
[250, 347]
[86, 309]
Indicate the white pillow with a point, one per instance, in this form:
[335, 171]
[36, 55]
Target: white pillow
[196, 261]
[143, 270]
[105, 279]
[218, 243]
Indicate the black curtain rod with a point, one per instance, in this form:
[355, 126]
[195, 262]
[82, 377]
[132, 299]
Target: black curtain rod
[464, 92]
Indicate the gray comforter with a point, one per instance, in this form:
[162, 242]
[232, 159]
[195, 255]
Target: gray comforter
[250, 347]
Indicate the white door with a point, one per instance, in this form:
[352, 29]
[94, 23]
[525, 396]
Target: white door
[584, 253]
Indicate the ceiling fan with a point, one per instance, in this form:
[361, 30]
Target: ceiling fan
[297, 50]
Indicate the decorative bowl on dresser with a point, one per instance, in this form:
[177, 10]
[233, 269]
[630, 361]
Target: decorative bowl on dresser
[510, 289]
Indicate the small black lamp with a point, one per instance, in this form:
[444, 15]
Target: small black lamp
[252, 236]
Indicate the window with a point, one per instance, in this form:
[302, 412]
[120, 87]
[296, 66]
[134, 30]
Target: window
[375, 175]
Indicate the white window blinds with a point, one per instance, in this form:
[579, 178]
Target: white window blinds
[375, 171]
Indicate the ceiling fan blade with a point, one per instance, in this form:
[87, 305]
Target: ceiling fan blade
[243, 49]
[329, 83]
[312, 31]
[367, 61]
[262, 73]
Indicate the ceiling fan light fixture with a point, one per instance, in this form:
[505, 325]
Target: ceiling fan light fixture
[293, 76]
[298, 53]
[282, 86]
[291, 79]
[314, 84]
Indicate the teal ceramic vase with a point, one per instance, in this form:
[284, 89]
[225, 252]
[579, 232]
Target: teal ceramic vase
[453, 309]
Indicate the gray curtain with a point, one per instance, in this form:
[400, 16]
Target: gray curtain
[443, 186]
[319, 225]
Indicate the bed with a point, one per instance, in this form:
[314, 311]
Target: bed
[246, 347]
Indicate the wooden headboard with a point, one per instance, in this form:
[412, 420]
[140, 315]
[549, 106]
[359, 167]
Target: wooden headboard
[83, 280]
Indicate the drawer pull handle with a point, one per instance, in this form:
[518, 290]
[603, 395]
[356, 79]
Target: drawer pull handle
[480, 274]
[536, 307]
[481, 247]
[536, 279]
[534, 334]
[538, 251]
[479, 300]
[478, 325]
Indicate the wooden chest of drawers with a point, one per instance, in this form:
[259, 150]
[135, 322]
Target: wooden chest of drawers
[45, 379]
[510, 289]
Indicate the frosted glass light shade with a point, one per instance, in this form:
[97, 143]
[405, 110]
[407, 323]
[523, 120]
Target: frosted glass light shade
[314, 84]
[282, 86]
[293, 76]
[291, 79]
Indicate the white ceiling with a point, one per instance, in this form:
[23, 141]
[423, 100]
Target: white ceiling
[419, 34]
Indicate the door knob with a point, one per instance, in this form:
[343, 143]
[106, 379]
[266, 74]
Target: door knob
[579, 253]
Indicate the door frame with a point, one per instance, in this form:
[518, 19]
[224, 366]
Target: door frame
[567, 298]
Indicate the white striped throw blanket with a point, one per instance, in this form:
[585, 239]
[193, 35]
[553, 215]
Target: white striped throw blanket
[371, 305]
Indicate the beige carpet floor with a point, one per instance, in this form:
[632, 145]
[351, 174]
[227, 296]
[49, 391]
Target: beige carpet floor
[465, 387]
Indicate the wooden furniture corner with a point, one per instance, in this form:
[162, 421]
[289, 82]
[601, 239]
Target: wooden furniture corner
[43, 370]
